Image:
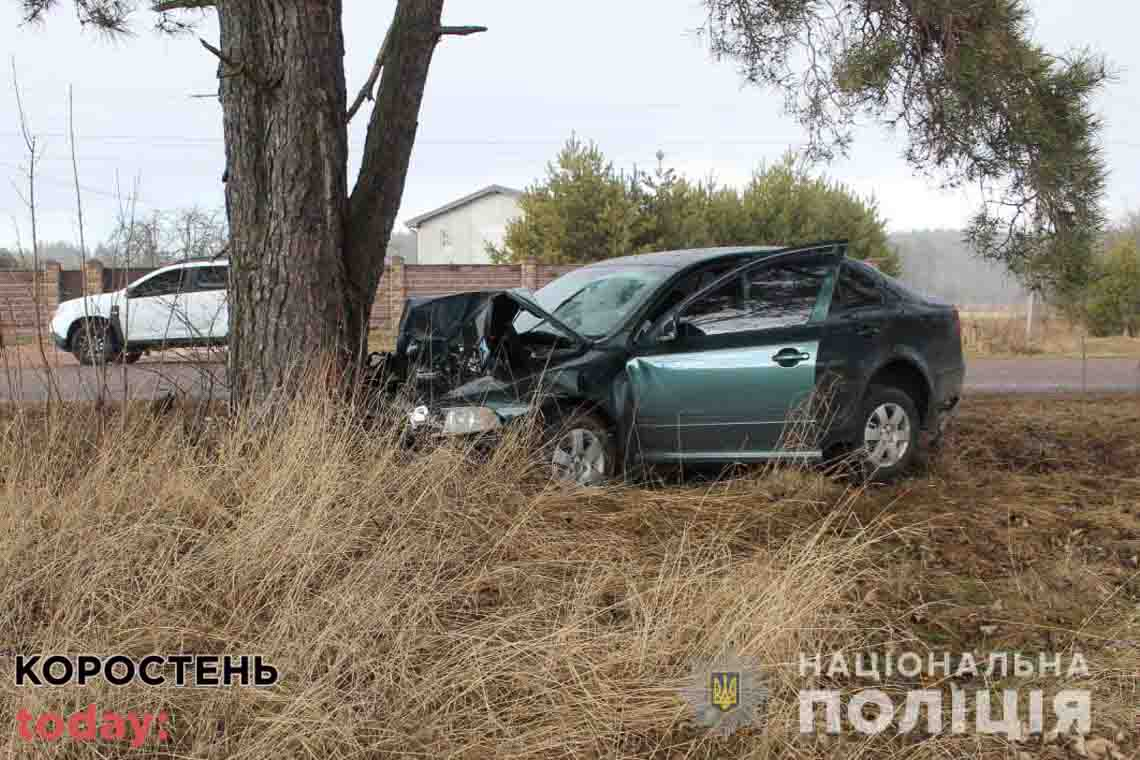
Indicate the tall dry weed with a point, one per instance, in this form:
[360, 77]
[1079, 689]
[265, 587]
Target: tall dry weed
[423, 603]
[443, 602]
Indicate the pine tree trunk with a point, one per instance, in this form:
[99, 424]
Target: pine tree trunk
[305, 262]
[283, 100]
[387, 152]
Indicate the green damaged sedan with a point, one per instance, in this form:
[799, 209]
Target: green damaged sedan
[719, 355]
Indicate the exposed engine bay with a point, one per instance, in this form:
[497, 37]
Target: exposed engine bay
[447, 342]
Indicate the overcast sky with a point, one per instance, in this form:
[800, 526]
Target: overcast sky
[629, 74]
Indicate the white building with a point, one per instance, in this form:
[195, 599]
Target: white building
[458, 233]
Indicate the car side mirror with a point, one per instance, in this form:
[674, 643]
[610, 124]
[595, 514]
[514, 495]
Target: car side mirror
[668, 330]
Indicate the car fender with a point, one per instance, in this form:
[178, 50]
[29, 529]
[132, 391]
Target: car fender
[76, 310]
[910, 356]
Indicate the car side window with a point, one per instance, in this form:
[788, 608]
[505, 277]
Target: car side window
[164, 284]
[855, 290]
[210, 278]
[782, 295]
[678, 292]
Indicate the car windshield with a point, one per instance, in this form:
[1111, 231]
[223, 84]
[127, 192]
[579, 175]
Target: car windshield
[594, 301]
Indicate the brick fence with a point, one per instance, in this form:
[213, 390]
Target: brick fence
[18, 307]
[24, 294]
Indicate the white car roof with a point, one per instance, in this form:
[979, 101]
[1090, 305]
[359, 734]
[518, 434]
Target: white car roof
[201, 263]
[191, 265]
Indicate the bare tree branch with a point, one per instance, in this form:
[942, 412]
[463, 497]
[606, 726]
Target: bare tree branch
[37, 273]
[370, 85]
[218, 53]
[366, 91]
[460, 31]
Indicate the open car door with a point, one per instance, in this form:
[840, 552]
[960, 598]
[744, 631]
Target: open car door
[730, 373]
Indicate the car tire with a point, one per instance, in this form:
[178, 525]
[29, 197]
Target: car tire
[93, 343]
[130, 357]
[889, 433]
[580, 448]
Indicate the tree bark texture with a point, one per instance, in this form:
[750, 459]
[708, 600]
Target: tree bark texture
[283, 101]
[387, 151]
[305, 261]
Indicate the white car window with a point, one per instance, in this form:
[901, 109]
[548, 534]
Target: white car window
[167, 283]
[210, 278]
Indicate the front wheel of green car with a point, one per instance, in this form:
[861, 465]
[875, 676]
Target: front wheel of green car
[581, 450]
[890, 427]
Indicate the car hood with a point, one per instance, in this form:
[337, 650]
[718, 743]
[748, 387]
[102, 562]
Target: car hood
[443, 317]
[522, 297]
[93, 305]
[464, 344]
[446, 316]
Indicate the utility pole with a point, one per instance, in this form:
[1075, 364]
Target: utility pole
[1029, 318]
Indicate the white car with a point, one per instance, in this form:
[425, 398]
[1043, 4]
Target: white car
[182, 305]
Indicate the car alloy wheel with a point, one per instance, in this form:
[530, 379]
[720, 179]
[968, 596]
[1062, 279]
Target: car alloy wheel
[579, 457]
[887, 435]
[91, 344]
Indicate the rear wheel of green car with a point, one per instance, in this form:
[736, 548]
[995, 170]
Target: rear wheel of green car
[889, 430]
[581, 450]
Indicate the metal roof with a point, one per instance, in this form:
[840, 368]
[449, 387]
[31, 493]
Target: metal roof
[415, 222]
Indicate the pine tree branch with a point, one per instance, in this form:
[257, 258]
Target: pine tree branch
[165, 6]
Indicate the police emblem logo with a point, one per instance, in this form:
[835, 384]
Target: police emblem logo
[726, 693]
[725, 690]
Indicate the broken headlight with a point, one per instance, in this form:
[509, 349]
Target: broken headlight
[464, 420]
[419, 417]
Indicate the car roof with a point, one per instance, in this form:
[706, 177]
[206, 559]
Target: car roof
[681, 259]
[188, 264]
[201, 263]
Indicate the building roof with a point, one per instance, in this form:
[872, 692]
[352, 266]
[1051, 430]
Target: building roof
[415, 222]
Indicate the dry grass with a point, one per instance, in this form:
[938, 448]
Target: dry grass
[381, 340]
[999, 334]
[444, 604]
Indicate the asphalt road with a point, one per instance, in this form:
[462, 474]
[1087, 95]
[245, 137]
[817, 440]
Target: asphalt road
[146, 380]
[1052, 375]
[151, 380]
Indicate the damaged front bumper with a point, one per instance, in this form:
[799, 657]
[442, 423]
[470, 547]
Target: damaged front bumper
[454, 420]
[485, 423]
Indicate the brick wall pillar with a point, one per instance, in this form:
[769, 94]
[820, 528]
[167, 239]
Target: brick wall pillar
[397, 278]
[47, 283]
[93, 277]
[530, 274]
[46, 290]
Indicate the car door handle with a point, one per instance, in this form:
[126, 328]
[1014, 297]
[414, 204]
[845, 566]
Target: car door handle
[867, 331]
[790, 357]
